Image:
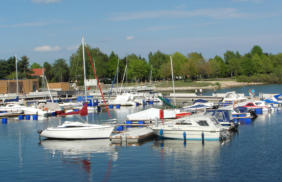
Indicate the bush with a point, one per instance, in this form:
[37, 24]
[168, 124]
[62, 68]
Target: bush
[266, 78]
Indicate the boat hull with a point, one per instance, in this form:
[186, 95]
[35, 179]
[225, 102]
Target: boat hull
[189, 134]
[78, 133]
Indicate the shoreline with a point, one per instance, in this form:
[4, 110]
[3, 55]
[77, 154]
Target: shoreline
[223, 84]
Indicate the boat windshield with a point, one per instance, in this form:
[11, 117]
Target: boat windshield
[203, 123]
[213, 119]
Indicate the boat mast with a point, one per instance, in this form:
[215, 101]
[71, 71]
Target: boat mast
[17, 75]
[150, 78]
[84, 67]
[49, 89]
[125, 69]
[117, 73]
[172, 80]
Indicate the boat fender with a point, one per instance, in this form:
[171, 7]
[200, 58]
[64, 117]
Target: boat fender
[203, 138]
[253, 113]
[99, 108]
[161, 132]
[4, 120]
[161, 114]
[184, 136]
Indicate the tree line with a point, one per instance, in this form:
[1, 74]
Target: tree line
[255, 65]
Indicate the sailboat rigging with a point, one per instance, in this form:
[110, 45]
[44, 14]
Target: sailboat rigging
[78, 130]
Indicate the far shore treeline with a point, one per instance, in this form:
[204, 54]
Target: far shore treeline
[255, 66]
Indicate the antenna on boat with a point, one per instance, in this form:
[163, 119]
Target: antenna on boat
[172, 80]
[84, 73]
[117, 72]
[84, 67]
[125, 70]
[150, 77]
[17, 75]
[49, 89]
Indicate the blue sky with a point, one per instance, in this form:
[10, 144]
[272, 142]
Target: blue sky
[46, 30]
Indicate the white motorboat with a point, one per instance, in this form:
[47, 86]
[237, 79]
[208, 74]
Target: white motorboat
[195, 127]
[124, 99]
[12, 108]
[77, 130]
[152, 114]
[233, 97]
[199, 106]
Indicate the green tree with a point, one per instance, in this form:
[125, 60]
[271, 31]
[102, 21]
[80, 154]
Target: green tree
[11, 64]
[234, 67]
[248, 65]
[23, 67]
[60, 71]
[4, 70]
[138, 68]
[112, 65]
[165, 70]
[178, 61]
[256, 50]
[218, 68]
[198, 61]
[35, 65]
[157, 59]
[48, 71]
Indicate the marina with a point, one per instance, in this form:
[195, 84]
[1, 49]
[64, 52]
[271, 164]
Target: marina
[132, 141]
[157, 91]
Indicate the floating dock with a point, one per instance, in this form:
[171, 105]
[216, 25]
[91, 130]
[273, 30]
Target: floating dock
[132, 135]
[9, 115]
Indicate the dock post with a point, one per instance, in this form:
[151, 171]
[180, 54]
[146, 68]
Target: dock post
[203, 138]
[4, 120]
[99, 108]
[184, 138]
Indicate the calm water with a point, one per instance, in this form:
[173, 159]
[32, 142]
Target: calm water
[253, 154]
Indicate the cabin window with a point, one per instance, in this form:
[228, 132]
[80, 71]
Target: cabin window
[183, 123]
[203, 123]
[73, 126]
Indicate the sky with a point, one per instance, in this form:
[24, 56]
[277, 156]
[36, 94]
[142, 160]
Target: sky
[46, 30]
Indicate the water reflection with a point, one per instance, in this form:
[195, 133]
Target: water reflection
[81, 153]
[194, 159]
[189, 148]
[78, 147]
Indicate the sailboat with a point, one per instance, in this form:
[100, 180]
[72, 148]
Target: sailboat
[78, 130]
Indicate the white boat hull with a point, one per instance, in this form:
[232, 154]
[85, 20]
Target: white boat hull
[190, 134]
[89, 132]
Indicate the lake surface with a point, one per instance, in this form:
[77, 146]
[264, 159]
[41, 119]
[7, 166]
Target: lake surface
[252, 154]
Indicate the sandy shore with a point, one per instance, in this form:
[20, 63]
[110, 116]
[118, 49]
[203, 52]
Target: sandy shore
[223, 84]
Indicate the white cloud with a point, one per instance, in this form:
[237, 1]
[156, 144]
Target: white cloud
[27, 24]
[46, 48]
[130, 37]
[159, 28]
[31, 24]
[251, 1]
[46, 1]
[218, 13]
[72, 48]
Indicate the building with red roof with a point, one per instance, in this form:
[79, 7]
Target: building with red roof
[38, 72]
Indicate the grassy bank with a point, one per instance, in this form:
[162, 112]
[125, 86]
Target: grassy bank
[267, 78]
[180, 83]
